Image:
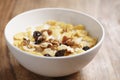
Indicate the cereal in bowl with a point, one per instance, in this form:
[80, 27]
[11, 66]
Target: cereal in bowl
[55, 39]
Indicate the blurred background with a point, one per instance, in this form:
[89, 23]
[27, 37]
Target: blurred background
[106, 64]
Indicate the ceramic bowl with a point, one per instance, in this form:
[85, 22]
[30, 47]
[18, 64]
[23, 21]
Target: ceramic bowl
[53, 66]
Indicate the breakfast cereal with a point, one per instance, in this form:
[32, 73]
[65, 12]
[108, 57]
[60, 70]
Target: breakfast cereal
[55, 39]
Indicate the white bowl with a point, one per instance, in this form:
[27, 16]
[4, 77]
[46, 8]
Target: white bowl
[53, 66]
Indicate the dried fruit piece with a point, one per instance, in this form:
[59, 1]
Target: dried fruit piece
[48, 55]
[36, 34]
[86, 48]
[60, 53]
[39, 39]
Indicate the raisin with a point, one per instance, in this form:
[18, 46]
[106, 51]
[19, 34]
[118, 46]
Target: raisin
[47, 55]
[39, 40]
[36, 34]
[60, 52]
[86, 48]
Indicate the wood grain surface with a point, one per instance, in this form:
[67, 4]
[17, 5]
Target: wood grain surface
[105, 65]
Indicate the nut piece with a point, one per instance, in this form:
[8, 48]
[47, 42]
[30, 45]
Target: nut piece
[64, 39]
[48, 31]
[54, 42]
[25, 42]
[38, 48]
[67, 41]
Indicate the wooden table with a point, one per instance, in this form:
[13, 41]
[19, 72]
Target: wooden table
[106, 64]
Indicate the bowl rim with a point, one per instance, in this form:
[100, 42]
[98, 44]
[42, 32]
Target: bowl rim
[62, 57]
